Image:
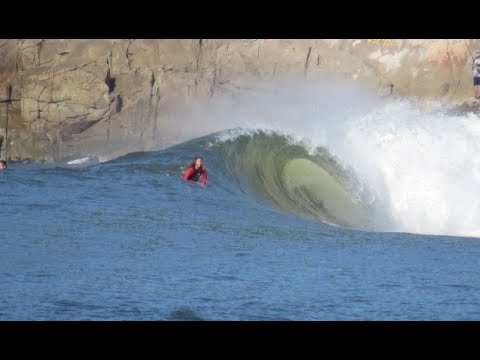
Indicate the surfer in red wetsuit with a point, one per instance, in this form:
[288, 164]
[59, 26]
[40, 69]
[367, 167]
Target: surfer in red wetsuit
[196, 171]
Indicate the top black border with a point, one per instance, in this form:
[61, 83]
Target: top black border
[233, 20]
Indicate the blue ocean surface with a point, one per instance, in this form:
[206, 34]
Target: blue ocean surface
[128, 239]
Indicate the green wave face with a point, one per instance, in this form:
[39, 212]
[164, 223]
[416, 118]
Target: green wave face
[285, 175]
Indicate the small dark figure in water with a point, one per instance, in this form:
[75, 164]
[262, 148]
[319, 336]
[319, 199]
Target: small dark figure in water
[3, 165]
[196, 171]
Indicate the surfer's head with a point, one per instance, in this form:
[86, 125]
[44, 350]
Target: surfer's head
[3, 164]
[197, 162]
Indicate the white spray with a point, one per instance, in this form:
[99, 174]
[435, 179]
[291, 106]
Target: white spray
[421, 165]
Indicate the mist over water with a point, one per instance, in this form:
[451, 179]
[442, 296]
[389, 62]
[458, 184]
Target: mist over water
[416, 162]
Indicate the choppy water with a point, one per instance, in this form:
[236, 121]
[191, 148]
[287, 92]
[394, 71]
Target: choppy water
[286, 229]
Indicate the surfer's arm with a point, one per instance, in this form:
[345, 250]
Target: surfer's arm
[205, 176]
[187, 173]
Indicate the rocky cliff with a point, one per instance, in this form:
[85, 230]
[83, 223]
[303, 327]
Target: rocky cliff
[68, 98]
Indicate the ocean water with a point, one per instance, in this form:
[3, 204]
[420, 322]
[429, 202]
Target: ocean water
[372, 214]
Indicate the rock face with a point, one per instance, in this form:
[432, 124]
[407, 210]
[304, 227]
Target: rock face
[68, 98]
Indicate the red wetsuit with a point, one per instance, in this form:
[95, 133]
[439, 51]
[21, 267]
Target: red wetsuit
[192, 174]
